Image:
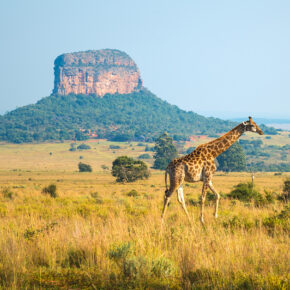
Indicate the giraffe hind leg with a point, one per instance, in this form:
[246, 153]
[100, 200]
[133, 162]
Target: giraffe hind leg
[181, 200]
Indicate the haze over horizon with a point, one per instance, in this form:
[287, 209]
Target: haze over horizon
[224, 59]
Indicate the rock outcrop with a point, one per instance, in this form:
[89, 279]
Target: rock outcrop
[99, 72]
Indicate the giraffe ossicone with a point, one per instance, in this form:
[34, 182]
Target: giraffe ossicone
[199, 165]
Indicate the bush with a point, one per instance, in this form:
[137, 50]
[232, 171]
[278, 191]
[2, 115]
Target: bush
[148, 148]
[163, 267]
[84, 167]
[114, 147]
[7, 193]
[50, 190]
[84, 147]
[144, 156]
[133, 193]
[126, 169]
[245, 192]
[279, 221]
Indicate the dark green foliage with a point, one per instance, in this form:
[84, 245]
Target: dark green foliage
[232, 159]
[104, 167]
[165, 151]
[279, 221]
[114, 147]
[144, 156]
[139, 115]
[50, 190]
[73, 147]
[285, 196]
[7, 193]
[148, 148]
[133, 193]
[84, 167]
[75, 258]
[84, 147]
[245, 192]
[126, 169]
[189, 150]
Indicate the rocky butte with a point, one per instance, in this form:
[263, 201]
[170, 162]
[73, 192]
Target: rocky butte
[100, 72]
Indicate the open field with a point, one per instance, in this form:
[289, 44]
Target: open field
[96, 234]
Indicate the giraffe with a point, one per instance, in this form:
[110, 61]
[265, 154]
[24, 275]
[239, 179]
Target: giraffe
[199, 165]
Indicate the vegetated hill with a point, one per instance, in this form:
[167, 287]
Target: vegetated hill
[136, 116]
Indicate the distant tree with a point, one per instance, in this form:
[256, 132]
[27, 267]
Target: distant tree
[114, 147]
[165, 151]
[148, 148]
[233, 159]
[189, 150]
[84, 167]
[73, 147]
[127, 169]
[144, 156]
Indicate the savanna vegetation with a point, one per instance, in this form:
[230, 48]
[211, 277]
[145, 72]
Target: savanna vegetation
[61, 228]
[136, 116]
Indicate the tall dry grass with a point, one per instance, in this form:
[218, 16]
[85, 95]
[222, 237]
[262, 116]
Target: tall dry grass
[94, 235]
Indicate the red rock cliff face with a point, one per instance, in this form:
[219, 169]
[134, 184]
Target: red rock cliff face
[97, 72]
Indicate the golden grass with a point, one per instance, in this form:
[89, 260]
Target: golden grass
[93, 235]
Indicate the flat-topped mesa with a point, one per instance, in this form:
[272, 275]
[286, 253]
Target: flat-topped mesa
[100, 72]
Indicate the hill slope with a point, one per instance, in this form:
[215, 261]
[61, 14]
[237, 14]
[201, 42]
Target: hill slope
[136, 116]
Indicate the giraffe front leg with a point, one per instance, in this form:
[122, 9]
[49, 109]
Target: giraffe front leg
[217, 199]
[203, 197]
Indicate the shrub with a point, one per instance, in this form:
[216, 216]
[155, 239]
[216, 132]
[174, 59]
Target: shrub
[84, 147]
[126, 169]
[73, 147]
[120, 252]
[104, 167]
[148, 148]
[114, 147]
[144, 156]
[133, 193]
[75, 258]
[245, 192]
[238, 222]
[7, 193]
[84, 167]
[50, 190]
[279, 221]
[163, 267]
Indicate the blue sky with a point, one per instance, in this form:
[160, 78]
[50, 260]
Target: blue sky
[217, 58]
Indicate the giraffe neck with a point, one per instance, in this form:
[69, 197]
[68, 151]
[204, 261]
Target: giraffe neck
[221, 144]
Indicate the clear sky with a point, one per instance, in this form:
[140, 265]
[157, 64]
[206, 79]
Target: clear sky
[219, 58]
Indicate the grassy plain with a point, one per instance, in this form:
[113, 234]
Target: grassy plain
[98, 235]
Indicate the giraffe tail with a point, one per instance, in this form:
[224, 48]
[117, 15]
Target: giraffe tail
[166, 173]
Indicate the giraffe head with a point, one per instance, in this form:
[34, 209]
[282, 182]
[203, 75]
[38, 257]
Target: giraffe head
[251, 126]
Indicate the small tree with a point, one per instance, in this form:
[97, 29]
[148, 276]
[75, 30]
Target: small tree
[126, 169]
[84, 167]
[233, 159]
[165, 151]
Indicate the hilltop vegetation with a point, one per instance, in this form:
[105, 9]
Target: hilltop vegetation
[136, 116]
